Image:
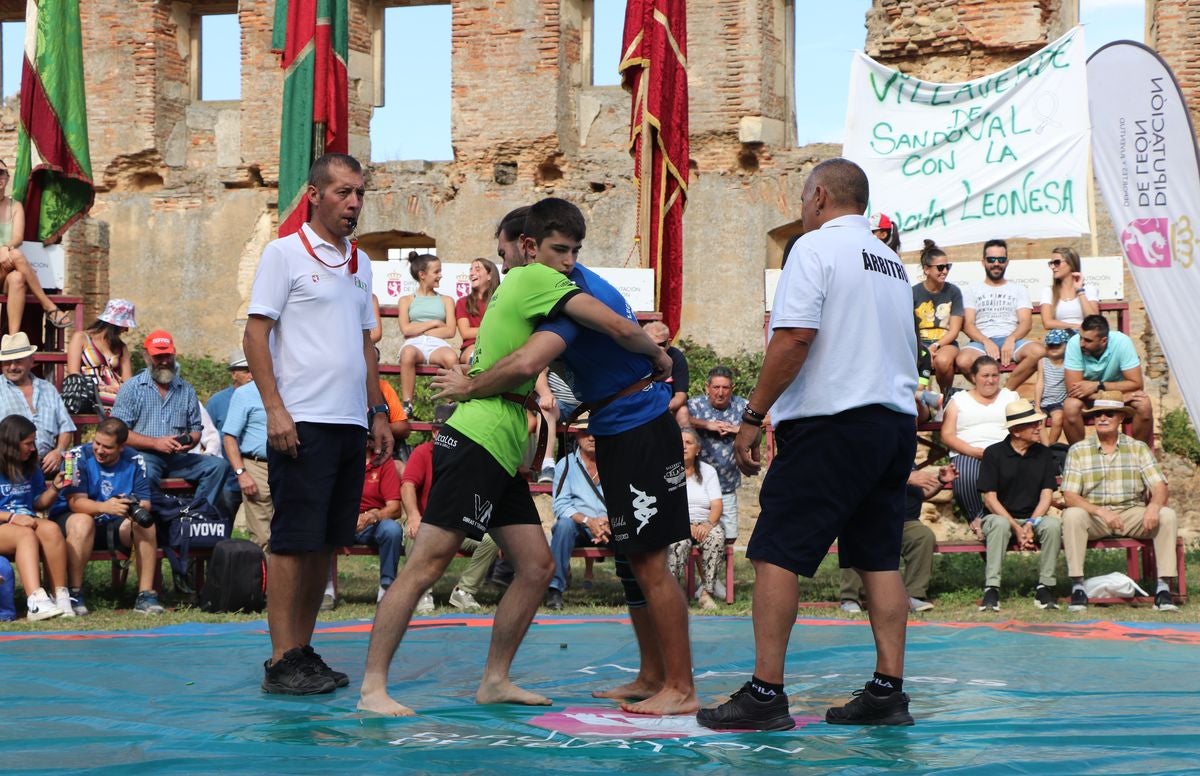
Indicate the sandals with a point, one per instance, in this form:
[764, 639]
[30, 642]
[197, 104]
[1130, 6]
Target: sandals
[59, 319]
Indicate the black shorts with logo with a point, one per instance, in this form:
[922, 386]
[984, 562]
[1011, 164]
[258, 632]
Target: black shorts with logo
[471, 492]
[837, 477]
[316, 494]
[645, 486]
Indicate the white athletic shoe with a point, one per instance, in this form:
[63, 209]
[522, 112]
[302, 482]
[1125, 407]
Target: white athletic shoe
[461, 599]
[851, 607]
[379, 595]
[426, 604]
[41, 606]
[62, 599]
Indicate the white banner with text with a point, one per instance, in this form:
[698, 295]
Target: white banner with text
[1001, 156]
[1148, 172]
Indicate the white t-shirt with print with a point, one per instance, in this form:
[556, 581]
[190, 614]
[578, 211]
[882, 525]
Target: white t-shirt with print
[852, 288]
[996, 306]
[320, 315]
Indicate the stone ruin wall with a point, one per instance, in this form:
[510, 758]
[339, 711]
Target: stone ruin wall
[187, 189]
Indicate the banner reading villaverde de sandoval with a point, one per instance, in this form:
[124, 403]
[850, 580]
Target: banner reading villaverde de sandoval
[1144, 154]
[1000, 156]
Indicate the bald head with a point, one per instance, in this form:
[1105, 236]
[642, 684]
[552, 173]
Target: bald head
[658, 331]
[844, 182]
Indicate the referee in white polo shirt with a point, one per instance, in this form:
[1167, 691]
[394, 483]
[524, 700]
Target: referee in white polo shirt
[838, 377]
[310, 351]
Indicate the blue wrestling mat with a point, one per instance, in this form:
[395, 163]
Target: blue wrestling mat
[1007, 698]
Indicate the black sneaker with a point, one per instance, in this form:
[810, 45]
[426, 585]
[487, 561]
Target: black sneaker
[1044, 598]
[867, 709]
[295, 674]
[745, 712]
[1163, 601]
[339, 679]
[991, 600]
[1079, 601]
[554, 599]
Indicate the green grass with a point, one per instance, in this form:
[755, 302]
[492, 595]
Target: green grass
[955, 588]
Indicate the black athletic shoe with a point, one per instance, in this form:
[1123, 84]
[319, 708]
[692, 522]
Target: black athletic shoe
[1163, 601]
[339, 679]
[1079, 601]
[1044, 598]
[867, 709]
[554, 599]
[295, 674]
[745, 712]
[991, 600]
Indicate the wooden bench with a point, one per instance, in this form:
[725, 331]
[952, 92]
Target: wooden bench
[1139, 561]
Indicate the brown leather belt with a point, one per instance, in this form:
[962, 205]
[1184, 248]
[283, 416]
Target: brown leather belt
[596, 406]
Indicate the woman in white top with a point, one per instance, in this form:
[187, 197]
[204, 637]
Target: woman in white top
[974, 420]
[1067, 301]
[426, 321]
[704, 510]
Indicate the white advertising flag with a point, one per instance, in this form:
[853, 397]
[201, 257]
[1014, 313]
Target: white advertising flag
[1144, 154]
[1000, 156]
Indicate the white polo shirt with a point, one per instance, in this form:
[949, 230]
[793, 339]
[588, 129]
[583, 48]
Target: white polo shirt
[320, 315]
[852, 288]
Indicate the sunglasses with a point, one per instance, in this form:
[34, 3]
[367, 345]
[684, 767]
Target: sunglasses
[1055, 262]
[940, 267]
[996, 259]
[1106, 413]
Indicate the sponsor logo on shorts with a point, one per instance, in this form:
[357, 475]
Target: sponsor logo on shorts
[643, 508]
[675, 474]
[483, 512]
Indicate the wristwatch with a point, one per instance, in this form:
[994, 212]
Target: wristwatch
[1100, 385]
[239, 471]
[379, 409]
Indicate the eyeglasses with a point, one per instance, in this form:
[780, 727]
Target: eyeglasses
[1106, 413]
[941, 267]
[996, 259]
[1054, 262]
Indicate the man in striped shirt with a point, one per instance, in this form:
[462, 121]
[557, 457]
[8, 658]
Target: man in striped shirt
[1105, 483]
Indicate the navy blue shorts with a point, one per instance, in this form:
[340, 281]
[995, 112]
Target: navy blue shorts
[837, 477]
[316, 494]
[471, 492]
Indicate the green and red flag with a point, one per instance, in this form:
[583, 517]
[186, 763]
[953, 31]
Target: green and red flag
[654, 69]
[313, 38]
[53, 171]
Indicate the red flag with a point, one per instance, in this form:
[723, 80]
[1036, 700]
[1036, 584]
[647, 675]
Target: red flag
[313, 39]
[654, 69]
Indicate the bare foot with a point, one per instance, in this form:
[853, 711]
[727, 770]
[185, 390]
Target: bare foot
[382, 704]
[637, 690]
[665, 702]
[507, 692]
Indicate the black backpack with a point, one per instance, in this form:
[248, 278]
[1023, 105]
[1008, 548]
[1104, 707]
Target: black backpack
[236, 579]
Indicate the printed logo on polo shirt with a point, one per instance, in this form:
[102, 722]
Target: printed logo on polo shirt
[643, 508]
[884, 266]
[360, 283]
[315, 277]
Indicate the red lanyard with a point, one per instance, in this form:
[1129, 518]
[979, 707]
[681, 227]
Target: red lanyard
[352, 259]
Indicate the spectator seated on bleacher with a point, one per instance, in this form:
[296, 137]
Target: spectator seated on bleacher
[704, 511]
[1017, 478]
[415, 485]
[680, 379]
[469, 310]
[1050, 390]
[1105, 482]
[916, 545]
[938, 314]
[580, 516]
[99, 353]
[16, 274]
[997, 316]
[163, 415]
[426, 321]
[34, 398]
[23, 493]
[972, 421]
[1098, 360]
[239, 375]
[97, 510]
[8, 608]
[1067, 301]
[378, 510]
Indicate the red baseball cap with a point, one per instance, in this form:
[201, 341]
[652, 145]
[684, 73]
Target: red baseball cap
[158, 343]
[880, 221]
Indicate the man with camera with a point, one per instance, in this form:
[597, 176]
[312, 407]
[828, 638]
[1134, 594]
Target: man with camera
[108, 495]
[163, 415]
